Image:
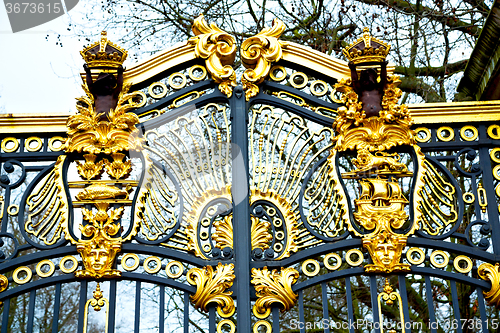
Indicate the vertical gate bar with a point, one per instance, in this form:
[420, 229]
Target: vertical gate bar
[57, 305]
[404, 300]
[186, 312]
[112, 306]
[324, 299]
[137, 306]
[302, 321]
[484, 160]
[241, 211]
[4, 222]
[350, 307]
[211, 320]
[81, 308]
[456, 309]
[31, 311]
[482, 310]
[374, 294]
[161, 318]
[5, 316]
[430, 303]
[276, 319]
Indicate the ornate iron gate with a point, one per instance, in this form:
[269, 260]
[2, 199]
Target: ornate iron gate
[176, 199]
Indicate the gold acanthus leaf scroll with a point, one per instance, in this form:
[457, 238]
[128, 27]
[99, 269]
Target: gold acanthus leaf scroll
[88, 133]
[273, 287]
[489, 272]
[211, 287]
[260, 235]
[218, 49]
[257, 54]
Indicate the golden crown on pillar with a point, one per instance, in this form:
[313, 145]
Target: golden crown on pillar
[104, 53]
[367, 49]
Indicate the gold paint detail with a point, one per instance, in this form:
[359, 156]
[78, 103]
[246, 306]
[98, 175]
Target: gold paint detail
[157, 266]
[118, 169]
[4, 283]
[99, 252]
[468, 197]
[90, 170]
[463, 132]
[23, 269]
[487, 271]
[306, 270]
[258, 53]
[211, 287]
[223, 235]
[302, 77]
[413, 261]
[425, 131]
[366, 49]
[273, 288]
[482, 198]
[272, 73]
[62, 264]
[467, 260]
[13, 210]
[48, 207]
[97, 303]
[494, 132]
[262, 323]
[338, 261]
[218, 49]
[349, 260]
[10, 140]
[132, 267]
[172, 274]
[260, 234]
[232, 326]
[30, 140]
[194, 68]
[493, 155]
[445, 133]
[438, 253]
[389, 296]
[104, 53]
[496, 172]
[55, 139]
[322, 84]
[51, 270]
[155, 85]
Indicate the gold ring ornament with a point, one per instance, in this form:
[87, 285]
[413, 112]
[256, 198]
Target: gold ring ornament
[192, 75]
[338, 263]
[298, 85]
[62, 264]
[132, 267]
[494, 132]
[425, 131]
[15, 275]
[53, 141]
[42, 263]
[232, 327]
[441, 133]
[262, 323]
[350, 261]
[171, 274]
[306, 271]
[161, 85]
[468, 261]
[30, 140]
[7, 141]
[322, 92]
[474, 131]
[154, 270]
[272, 73]
[493, 155]
[435, 263]
[411, 260]
[468, 197]
[174, 85]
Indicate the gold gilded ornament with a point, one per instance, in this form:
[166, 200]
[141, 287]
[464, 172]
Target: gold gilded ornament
[101, 191]
[367, 49]
[489, 272]
[389, 296]
[273, 287]
[100, 251]
[90, 170]
[211, 287]
[104, 53]
[218, 49]
[223, 235]
[4, 283]
[257, 54]
[97, 303]
[260, 233]
[118, 168]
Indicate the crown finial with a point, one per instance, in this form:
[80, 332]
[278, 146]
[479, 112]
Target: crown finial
[104, 54]
[367, 49]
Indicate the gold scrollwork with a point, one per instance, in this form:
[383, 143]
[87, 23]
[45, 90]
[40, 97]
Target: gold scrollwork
[4, 283]
[97, 302]
[218, 49]
[257, 54]
[487, 271]
[273, 287]
[211, 287]
[390, 296]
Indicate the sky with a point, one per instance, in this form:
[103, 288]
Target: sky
[36, 75]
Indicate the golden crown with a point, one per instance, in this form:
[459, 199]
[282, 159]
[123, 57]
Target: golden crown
[104, 53]
[367, 49]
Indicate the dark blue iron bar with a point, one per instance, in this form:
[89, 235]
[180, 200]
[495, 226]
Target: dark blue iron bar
[430, 303]
[324, 299]
[186, 312]
[482, 310]
[5, 316]
[81, 308]
[404, 299]
[112, 306]
[262, 98]
[158, 280]
[31, 311]
[161, 319]
[211, 319]
[276, 318]
[57, 305]
[374, 295]
[37, 256]
[241, 211]
[302, 320]
[327, 277]
[350, 307]
[455, 248]
[137, 306]
[456, 308]
[5, 218]
[459, 277]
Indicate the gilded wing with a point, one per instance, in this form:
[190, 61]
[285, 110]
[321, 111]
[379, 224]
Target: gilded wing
[47, 207]
[438, 206]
